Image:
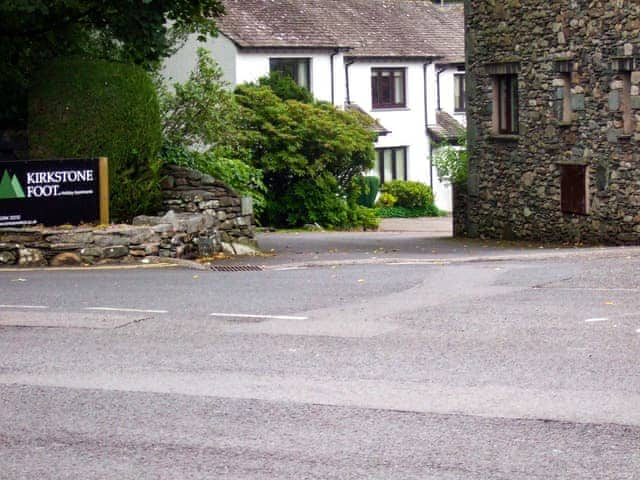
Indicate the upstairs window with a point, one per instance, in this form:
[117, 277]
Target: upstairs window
[505, 100]
[299, 69]
[388, 87]
[628, 123]
[563, 98]
[459, 103]
[391, 164]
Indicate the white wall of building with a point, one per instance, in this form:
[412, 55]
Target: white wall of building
[406, 125]
[250, 66]
[178, 67]
[447, 86]
[240, 66]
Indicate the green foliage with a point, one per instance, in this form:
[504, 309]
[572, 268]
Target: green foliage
[402, 212]
[386, 200]
[413, 195]
[285, 87]
[201, 125]
[365, 218]
[245, 179]
[202, 113]
[369, 186]
[82, 108]
[35, 31]
[310, 154]
[452, 162]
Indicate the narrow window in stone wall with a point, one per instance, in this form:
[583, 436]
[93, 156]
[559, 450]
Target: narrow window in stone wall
[574, 188]
[562, 102]
[505, 102]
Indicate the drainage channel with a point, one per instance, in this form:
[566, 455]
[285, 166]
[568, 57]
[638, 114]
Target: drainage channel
[237, 268]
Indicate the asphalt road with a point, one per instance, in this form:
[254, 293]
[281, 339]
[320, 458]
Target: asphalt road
[391, 365]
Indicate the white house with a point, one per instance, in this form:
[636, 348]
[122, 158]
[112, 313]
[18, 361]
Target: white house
[401, 61]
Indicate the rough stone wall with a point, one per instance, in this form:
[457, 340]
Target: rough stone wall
[205, 218]
[190, 191]
[514, 182]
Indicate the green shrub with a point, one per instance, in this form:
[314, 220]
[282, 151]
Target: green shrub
[285, 87]
[310, 154]
[386, 200]
[412, 195]
[364, 217]
[402, 212]
[369, 187]
[91, 108]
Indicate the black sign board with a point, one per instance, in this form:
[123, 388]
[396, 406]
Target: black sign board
[49, 192]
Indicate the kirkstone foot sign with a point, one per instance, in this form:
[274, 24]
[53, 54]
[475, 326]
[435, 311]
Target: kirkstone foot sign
[53, 192]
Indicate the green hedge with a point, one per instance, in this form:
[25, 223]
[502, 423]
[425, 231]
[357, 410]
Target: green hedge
[408, 194]
[91, 108]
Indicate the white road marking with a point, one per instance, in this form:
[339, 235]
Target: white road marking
[638, 330]
[132, 310]
[266, 317]
[33, 307]
[601, 319]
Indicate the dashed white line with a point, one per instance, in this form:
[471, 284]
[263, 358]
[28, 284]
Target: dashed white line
[266, 317]
[131, 310]
[28, 307]
[601, 319]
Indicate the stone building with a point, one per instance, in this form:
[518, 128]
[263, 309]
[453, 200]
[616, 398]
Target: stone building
[553, 121]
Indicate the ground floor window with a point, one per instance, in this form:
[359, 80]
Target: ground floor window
[574, 185]
[391, 163]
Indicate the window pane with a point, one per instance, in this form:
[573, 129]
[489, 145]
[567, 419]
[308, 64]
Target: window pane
[398, 86]
[513, 100]
[296, 68]
[401, 174]
[388, 166]
[301, 76]
[387, 87]
[503, 98]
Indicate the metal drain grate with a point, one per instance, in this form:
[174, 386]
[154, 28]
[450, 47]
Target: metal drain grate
[237, 268]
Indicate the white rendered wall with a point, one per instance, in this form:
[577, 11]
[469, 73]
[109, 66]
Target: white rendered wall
[407, 125]
[250, 66]
[178, 67]
[447, 98]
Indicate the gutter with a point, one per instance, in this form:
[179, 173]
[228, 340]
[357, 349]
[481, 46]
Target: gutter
[346, 74]
[438, 84]
[333, 80]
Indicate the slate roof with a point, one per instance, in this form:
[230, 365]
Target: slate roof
[377, 127]
[446, 128]
[369, 28]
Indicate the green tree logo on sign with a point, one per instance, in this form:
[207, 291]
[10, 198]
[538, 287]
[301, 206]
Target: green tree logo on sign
[10, 187]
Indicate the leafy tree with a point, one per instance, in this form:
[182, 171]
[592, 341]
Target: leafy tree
[201, 126]
[33, 31]
[310, 153]
[202, 113]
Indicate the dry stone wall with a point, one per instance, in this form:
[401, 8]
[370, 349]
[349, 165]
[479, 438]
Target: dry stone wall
[514, 187]
[204, 217]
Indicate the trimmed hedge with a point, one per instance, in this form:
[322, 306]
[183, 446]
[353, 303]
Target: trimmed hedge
[408, 194]
[91, 108]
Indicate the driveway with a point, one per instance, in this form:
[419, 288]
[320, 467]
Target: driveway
[416, 240]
